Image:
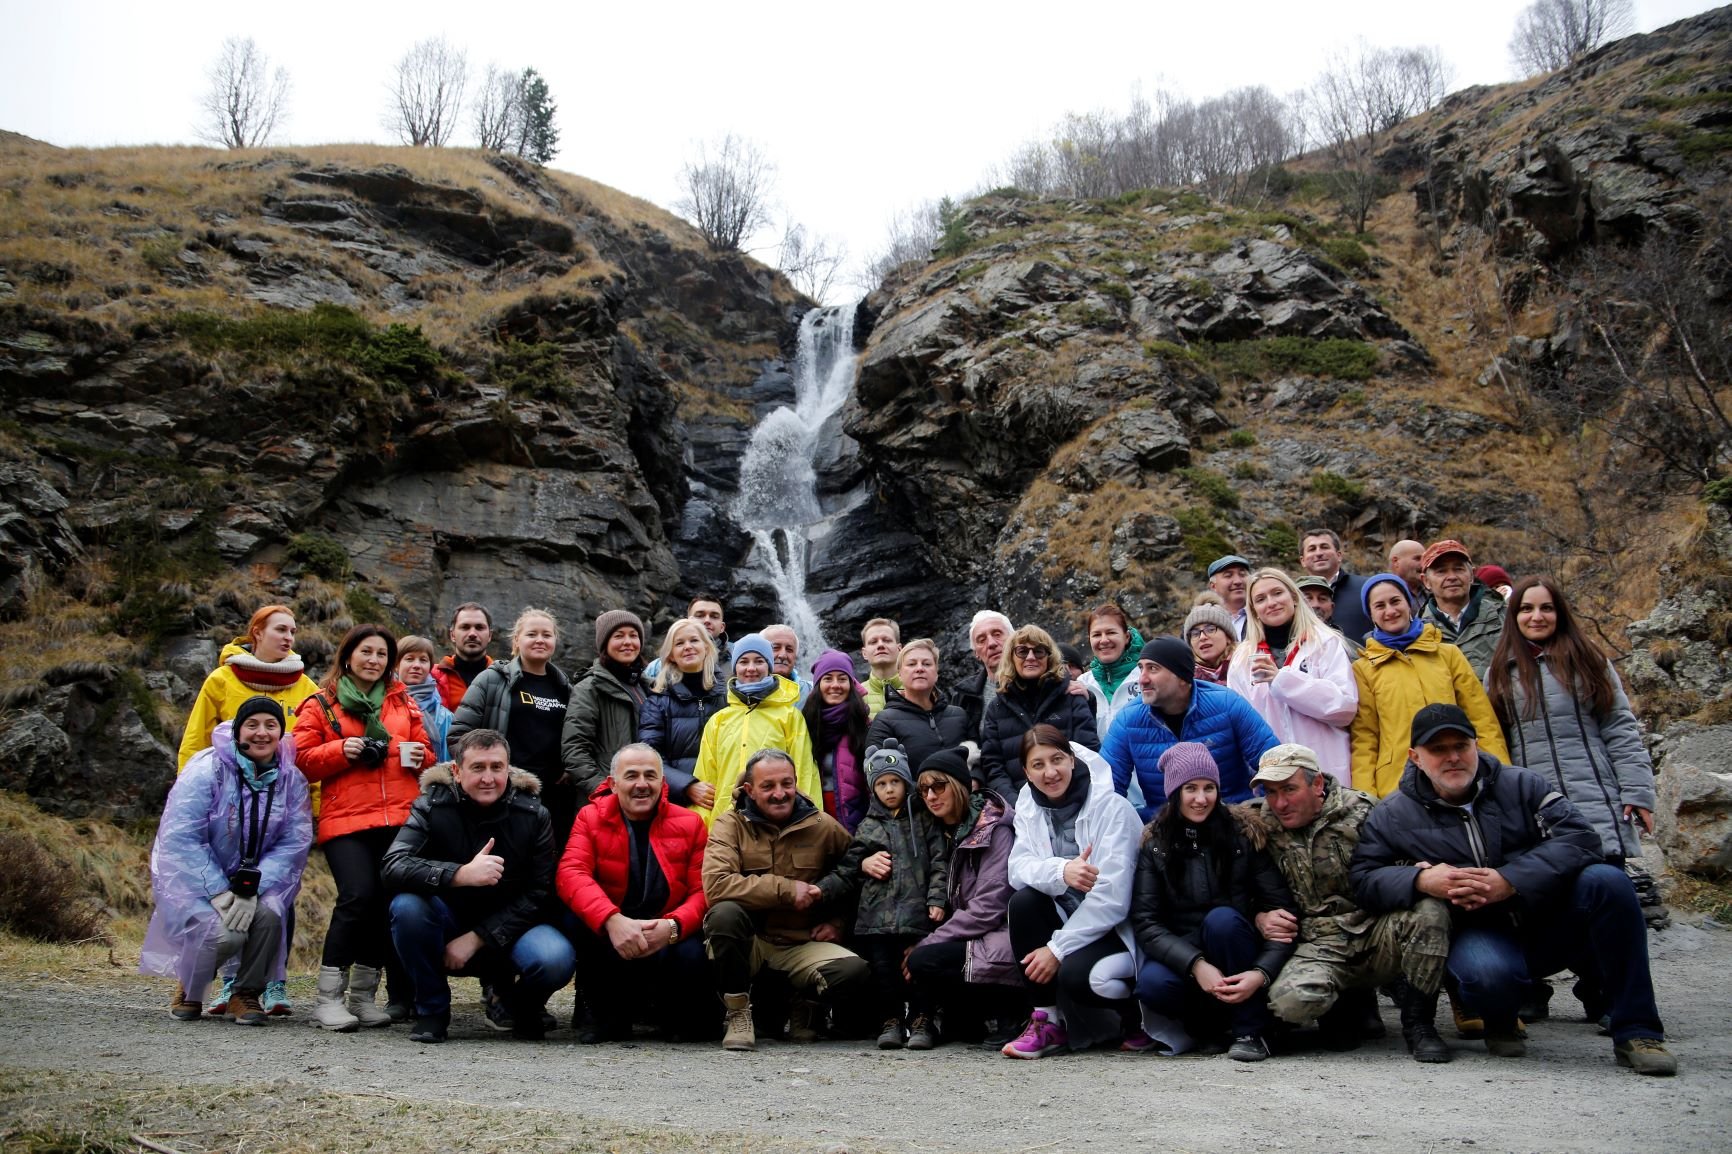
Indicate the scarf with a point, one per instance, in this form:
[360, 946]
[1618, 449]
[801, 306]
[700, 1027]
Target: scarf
[1110, 677]
[1213, 674]
[266, 677]
[752, 692]
[426, 696]
[834, 729]
[364, 707]
[1400, 641]
[255, 776]
[629, 676]
[1074, 793]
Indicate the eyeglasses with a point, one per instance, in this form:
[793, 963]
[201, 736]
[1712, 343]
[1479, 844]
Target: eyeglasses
[1204, 629]
[1022, 651]
[931, 787]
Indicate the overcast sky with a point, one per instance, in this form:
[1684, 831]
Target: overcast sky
[865, 108]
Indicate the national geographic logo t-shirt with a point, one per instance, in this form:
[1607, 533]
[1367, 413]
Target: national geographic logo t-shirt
[537, 717]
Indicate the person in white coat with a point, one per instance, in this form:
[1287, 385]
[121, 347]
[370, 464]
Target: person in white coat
[1296, 673]
[1071, 871]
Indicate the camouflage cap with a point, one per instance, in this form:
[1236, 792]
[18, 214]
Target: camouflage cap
[1283, 761]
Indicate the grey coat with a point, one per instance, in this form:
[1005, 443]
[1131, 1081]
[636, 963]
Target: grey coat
[1599, 763]
[486, 703]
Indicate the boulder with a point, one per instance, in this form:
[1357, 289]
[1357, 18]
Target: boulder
[1694, 814]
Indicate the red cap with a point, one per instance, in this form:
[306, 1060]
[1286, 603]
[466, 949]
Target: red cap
[1440, 549]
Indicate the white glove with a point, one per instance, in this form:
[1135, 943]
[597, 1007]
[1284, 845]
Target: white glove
[236, 913]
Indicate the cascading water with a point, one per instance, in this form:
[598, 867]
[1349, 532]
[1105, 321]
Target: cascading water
[778, 495]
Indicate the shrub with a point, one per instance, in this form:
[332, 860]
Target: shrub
[1241, 438]
[1280, 542]
[1118, 290]
[40, 898]
[1200, 287]
[1346, 252]
[364, 607]
[1718, 492]
[1212, 487]
[530, 369]
[1336, 487]
[1201, 535]
[394, 355]
[1169, 351]
[320, 555]
[1248, 471]
[1343, 359]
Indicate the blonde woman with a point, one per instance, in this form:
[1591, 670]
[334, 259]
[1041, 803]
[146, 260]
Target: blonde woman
[1033, 689]
[918, 714]
[1296, 673]
[683, 697]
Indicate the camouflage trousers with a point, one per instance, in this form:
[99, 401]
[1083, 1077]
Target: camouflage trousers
[1411, 944]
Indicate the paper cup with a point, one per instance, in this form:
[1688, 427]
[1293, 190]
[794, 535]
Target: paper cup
[409, 753]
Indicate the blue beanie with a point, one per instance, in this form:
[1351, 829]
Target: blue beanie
[1373, 582]
[754, 643]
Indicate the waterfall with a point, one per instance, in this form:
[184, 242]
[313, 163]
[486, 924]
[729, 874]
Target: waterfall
[778, 496]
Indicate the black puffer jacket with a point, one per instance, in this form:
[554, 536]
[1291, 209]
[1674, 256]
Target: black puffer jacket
[1518, 824]
[672, 723]
[969, 695]
[921, 732]
[1174, 893]
[919, 877]
[1019, 709]
[446, 830]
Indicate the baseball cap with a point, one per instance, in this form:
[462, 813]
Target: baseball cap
[1441, 549]
[1439, 718]
[1312, 581]
[1283, 761]
[1221, 563]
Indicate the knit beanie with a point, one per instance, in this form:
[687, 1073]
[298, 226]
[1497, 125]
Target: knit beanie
[831, 661]
[1072, 655]
[1187, 761]
[953, 761]
[754, 643]
[612, 622]
[1209, 613]
[259, 704]
[1172, 655]
[1373, 582]
[889, 758]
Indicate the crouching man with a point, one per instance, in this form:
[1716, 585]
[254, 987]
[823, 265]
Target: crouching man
[1526, 881]
[762, 869]
[474, 869]
[1344, 953]
[633, 875]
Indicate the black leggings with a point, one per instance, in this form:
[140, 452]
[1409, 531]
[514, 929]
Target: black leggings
[360, 930]
[1034, 918]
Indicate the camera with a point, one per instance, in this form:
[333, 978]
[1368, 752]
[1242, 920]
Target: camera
[373, 751]
[244, 882]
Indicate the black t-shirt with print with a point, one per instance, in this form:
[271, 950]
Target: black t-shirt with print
[537, 719]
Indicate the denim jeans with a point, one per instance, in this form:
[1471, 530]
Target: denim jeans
[542, 958]
[1597, 930]
[1230, 943]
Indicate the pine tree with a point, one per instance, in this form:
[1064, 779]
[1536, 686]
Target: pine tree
[539, 136]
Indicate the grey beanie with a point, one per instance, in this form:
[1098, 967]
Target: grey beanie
[1209, 613]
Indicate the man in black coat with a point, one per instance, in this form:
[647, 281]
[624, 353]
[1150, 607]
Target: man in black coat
[474, 869]
[1527, 882]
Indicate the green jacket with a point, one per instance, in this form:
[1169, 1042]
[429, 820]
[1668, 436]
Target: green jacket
[1314, 861]
[919, 873]
[601, 718]
[1481, 626]
[875, 687]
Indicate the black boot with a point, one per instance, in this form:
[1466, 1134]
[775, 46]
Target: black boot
[1419, 1026]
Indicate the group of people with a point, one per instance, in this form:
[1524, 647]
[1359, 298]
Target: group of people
[1206, 841]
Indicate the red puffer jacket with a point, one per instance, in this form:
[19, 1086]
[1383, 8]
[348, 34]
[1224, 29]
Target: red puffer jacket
[358, 797]
[592, 874]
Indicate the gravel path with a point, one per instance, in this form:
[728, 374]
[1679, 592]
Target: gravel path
[1566, 1095]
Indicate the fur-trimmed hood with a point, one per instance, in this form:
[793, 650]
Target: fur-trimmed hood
[441, 775]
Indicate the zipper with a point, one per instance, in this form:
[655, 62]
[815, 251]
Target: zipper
[1475, 838]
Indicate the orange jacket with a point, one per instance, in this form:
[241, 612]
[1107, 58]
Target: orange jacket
[358, 797]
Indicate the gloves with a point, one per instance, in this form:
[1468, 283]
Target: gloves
[235, 913]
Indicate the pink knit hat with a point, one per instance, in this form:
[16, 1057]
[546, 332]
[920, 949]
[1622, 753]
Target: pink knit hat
[1187, 761]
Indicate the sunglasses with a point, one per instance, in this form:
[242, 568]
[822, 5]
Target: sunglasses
[932, 787]
[1022, 651]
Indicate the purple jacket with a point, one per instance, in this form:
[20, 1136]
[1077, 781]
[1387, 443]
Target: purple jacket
[198, 844]
[980, 896]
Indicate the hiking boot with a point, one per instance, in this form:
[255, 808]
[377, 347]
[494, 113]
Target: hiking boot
[1537, 1006]
[804, 1018]
[1042, 1036]
[498, 1012]
[1505, 1043]
[1467, 1024]
[431, 1028]
[183, 1008]
[1419, 1027]
[246, 1009]
[363, 996]
[1248, 1048]
[328, 1011]
[219, 1005]
[737, 1032]
[1646, 1056]
[276, 999]
[921, 1033]
[890, 1037]
[1370, 1017]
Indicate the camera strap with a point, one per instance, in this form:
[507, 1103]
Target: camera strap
[254, 841]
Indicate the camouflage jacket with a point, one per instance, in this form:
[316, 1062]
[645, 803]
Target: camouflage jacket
[1314, 861]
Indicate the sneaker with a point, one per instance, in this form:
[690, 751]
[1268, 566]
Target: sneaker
[998, 1032]
[1248, 1048]
[246, 1009]
[430, 1028]
[1646, 1056]
[1137, 1041]
[1505, 1044]
[276, 1000]
[219, 1005]
[498, 1013]
[890, 1037]
[922, 1034]
[1040, 1037]
[183, 1008]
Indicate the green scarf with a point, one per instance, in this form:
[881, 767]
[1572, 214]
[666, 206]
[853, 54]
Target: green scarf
[364, 705]
[1110, 677]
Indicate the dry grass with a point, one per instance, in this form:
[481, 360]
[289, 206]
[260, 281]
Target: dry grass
[55, 632]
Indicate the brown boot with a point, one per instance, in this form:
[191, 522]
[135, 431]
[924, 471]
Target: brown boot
[804, 1018]
[737, 1026]
[183, 1007]
[246, 1009]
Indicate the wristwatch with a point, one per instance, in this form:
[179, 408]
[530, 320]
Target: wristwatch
[673, 931]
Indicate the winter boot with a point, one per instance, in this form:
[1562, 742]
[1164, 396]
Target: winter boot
[1467, 1023]
[183, 1007]
[246, 1009]
[922, 1035]
[1419, 1025]
[363, 997]
[738, 1034]
[890, 1037]
[804, 1017]
[328, 1011]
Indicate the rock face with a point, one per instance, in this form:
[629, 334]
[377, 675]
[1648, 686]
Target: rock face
[1695, 799]
[82, 750]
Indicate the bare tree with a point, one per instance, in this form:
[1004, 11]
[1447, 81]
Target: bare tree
[1550, 34]
[810, 262]
[910, 238]
[498, 110]
[427, 94]
[727, 192]
[245, 100]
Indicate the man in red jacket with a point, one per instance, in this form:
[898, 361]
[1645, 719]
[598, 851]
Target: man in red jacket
[633, 875]
[471, 634]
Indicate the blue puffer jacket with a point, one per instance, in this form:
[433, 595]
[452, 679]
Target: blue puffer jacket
[1235, 734]
[672, 723]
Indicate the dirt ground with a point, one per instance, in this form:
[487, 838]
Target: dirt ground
[91, 1058]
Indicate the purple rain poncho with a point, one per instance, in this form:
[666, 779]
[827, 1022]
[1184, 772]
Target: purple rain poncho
[198, 844]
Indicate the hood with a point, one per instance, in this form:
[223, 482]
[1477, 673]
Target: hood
[222, 744]
[1416, 785]
[440, 775]
[993, 809]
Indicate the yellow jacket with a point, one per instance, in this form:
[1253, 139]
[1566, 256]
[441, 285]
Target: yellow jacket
[222, 694]
[740, 730]
[1395, 685]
